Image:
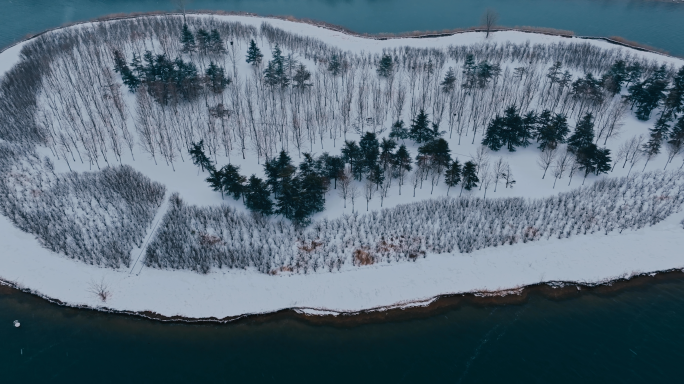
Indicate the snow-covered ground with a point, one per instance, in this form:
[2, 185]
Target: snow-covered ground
[222, 293]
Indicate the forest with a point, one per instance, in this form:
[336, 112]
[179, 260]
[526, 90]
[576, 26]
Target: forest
[205, 91]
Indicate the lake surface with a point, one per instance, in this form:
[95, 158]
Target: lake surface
[634, 335]
[650, 22]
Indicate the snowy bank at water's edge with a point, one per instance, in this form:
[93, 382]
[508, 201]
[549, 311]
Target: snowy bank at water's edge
[584, 259]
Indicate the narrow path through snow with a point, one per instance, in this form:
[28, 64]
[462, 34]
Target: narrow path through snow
[140, 260]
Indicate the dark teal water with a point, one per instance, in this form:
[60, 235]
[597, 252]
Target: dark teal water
[650, 22]
[633, 336]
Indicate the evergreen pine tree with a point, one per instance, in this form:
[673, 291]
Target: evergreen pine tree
[233, 182]
[616, 76]
[509, 130]
[551, 131]
[203, 41]
[677, 134]
[216, 43]
[470, 178]
[119, 61]
[658, 133]
[335, 66]
[420, 128]
[528, 129]
[333, 167]
[469, 71]
[275, 73]
[513, 132]
[277, 170]
[257, 197]
[312, 197]
[452, 176]
[215, 181]
[647, 95]
[376, 175]
[583, 135]
[674, 102]
[129, 79]
[351, 154]
[187, 39]
[386, 66]
[370, 151]
[198, 156]
[449, 81]
[554, 73]
[138, 68]
[398, 131]
[386, 156]
[216, 78]
[254, 54]
[437, 151]
[494, 134]
[288, 198]
[634, 72]
[402, 159]
[602, 161]
[301, 77]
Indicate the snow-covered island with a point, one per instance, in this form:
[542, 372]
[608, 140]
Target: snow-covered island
[228, 165]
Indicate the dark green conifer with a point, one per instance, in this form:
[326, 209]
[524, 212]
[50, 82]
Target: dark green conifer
[335, 66]
[370, 151]
[254, 55]
[187, 39]
[583, 135]
[452, 176]
[470, 178]
[449, 81]
[399, 131]
[216, 78]
[386, 66]
[420, 128]
[257, 197]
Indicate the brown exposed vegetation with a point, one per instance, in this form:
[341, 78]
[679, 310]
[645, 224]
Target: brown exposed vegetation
[207, 239]
[363, 256]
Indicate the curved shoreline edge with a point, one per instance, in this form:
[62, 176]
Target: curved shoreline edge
[397, 310]
[615, 40]
[554, 290]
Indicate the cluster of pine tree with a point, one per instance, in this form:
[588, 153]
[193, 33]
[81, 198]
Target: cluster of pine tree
[201, 238]
[94, 217]
[171, 80]
[299, 192]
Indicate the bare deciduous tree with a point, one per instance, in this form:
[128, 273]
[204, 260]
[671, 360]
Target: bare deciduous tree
[353, 194]
[489, 19]
[546, 159]
[499, 171]
[345, 181]
[562, 163]
[99, 289]
[368, 192]
[182, 6]
[487, 179]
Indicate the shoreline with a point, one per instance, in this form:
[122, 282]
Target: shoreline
[615, 40]
[421, 309]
